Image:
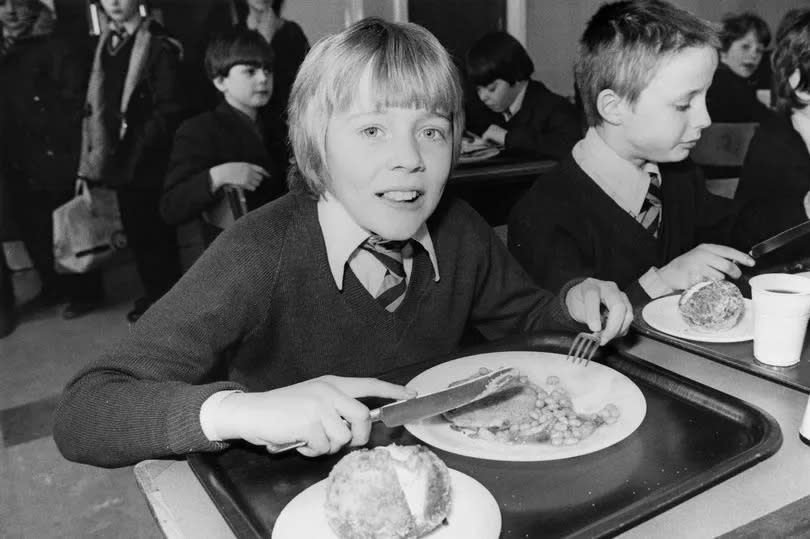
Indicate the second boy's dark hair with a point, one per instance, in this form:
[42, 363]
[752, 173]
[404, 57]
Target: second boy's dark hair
[498, 55]
[792, 53]
[625, 43]
[737, 27]
[237, 46]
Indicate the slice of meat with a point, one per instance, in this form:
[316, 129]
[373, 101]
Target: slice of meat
[501, 410]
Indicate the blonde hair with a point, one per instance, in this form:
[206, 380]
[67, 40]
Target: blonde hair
[408, 67]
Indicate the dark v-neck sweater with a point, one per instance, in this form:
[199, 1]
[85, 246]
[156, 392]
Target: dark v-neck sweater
[262, 307]
[566, 226]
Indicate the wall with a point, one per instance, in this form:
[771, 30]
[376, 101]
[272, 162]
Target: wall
[317, 17]
[554, 27]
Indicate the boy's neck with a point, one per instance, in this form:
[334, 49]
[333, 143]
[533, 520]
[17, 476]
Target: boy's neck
[616, 143]
[250, 112]
[130, 25]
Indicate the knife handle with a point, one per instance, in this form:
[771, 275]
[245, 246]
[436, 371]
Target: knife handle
[374, 415]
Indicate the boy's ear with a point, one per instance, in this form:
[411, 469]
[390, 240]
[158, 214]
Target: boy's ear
[611, 107]
[219, 83]
[794, 80]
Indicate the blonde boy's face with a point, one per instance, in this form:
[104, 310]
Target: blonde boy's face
[387, 167]
[120, 11]
[666, 121]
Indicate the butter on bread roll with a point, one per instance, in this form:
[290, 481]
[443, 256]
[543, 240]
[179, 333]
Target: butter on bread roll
[712, 305]
[397, 492]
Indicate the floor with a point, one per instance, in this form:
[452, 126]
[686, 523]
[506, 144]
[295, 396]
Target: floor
[43, 495]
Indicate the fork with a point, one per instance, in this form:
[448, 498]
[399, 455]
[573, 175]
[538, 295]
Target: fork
[584, 347]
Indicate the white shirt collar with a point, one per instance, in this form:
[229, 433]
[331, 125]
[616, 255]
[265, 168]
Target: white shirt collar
[518, 102]
[620, 179]
[342, 235]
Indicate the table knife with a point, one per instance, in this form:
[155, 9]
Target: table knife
[410, 410]
[779, 240]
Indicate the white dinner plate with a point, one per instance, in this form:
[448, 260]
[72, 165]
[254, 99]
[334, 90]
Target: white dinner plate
[663, 315]
[474, 513]
[479, 155]
[590, 388]
[803, 274]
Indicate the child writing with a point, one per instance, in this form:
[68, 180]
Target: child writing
[303, 303]
[134, 103]
[626, 205]
[520, 114]
[227, 146]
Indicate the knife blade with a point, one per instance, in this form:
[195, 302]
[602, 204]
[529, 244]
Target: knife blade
[406, 411]
[410, 410]
[779, 240]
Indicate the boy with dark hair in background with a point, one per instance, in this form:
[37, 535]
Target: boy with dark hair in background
[520, 113]
[227, 147]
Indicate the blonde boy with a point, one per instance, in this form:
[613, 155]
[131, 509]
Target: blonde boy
[627, 205]
[288, 303]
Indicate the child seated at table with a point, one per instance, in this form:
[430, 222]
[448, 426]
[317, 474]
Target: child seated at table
[519, 113]
[776, 172]
[227, 147]
[302, 305]
[627, 205]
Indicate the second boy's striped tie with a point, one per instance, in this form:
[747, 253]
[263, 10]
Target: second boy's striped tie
[650, 214]
[389, 253]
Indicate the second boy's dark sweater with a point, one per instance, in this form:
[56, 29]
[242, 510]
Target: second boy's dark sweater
[261, 306]
[566, 225]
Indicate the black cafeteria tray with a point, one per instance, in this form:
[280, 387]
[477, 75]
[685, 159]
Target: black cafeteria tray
[692, 437]
[739, 355]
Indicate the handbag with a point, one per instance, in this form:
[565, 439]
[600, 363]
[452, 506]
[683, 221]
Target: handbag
[87, 229]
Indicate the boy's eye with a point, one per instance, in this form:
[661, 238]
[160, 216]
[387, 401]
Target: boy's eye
[683, 107]
[433, 133]
[372, 131]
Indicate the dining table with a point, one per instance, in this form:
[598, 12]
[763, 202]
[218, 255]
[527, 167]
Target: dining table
[743, 473]
[492, 186]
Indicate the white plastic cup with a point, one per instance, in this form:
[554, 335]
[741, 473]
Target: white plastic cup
[781, 310]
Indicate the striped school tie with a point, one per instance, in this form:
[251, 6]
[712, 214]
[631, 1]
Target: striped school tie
[650, 214]
[389, 253]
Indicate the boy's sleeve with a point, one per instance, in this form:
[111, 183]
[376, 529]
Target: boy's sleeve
[186, 191]
[142, 398]
[168, 101]
[506, 300]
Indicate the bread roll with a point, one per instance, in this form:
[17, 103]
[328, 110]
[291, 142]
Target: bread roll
[712, 306]
[397, 492]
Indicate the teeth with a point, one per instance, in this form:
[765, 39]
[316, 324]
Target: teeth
[400, 196]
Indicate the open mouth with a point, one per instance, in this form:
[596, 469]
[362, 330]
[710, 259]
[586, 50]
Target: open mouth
[400, 196]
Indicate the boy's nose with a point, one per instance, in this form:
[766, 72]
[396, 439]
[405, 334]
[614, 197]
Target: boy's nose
[406, 155]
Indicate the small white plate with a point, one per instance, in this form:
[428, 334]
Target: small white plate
[803, 274]
[663, 315]
[474, 513]
[590, 389]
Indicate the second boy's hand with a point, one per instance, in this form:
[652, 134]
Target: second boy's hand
[706, 261]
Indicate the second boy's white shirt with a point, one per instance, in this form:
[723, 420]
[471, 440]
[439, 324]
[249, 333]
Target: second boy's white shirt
[625, 184]
[342, 237]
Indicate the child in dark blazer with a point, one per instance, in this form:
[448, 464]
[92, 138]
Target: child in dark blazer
[134, 104]
[227, 146]
[518, 113]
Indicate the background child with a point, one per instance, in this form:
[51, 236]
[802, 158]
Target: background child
[41, 95]
[134, 104]
[776, 172]
[732, 96]
[295, 303]
[227, 146]
[520, 114]
[626, 205]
